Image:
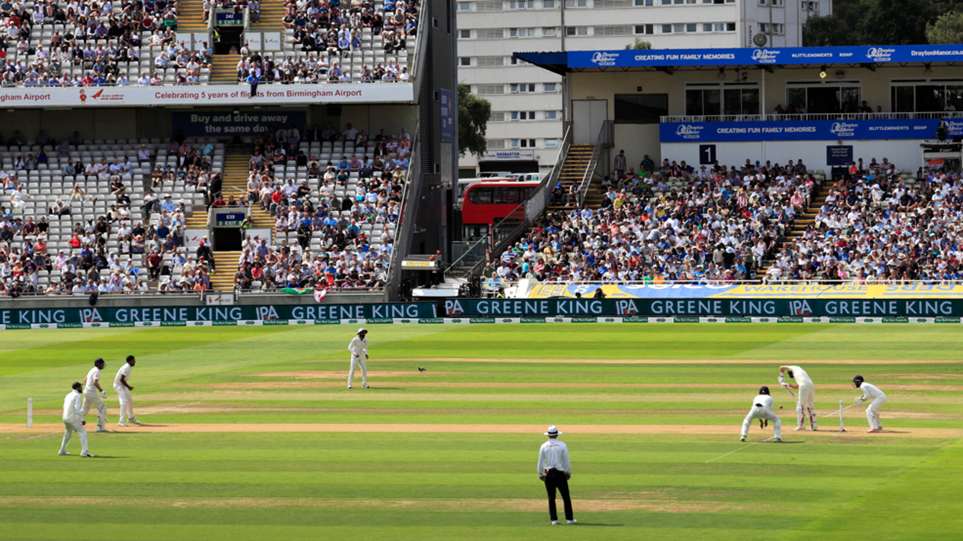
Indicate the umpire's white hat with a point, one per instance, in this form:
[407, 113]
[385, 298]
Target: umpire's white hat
[362, 330]
[553, 431]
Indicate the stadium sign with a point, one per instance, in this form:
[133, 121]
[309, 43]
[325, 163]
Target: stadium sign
[737, 310]
[222, 315]
[802, 130]
[226, 123]
[205, 95]
[750, 291]
[759, 57]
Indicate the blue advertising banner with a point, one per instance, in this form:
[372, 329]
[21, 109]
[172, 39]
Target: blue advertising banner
[804, 130]
[447, 115]
[839, 155]
[227, 124]
[756, 57]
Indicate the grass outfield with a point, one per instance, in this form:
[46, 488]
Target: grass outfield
[251, 434]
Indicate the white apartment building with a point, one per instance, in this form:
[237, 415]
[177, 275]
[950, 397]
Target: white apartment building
[526, 122]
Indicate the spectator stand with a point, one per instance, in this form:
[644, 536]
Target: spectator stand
[100, 212]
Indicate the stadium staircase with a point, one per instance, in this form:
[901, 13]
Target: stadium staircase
[235, 183]
[573, 171]
[799, 226]
[272, 12]
[226, 264]
[198, 219]
[190, 16]
[224, 69]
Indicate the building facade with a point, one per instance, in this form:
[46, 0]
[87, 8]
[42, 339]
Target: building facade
[526, 124]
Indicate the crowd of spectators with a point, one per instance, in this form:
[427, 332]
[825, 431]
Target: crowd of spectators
[92, 230]
[339, 214]
[330, 42]
[95, 43]
[672, 223]
[876, 226]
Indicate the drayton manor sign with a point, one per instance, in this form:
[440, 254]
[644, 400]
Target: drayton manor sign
[805, 130]
[768, 57]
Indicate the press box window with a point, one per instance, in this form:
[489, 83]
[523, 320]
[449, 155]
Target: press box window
[640, 108]
[730, 99]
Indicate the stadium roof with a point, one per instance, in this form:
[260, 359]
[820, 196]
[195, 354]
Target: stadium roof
[669, 59]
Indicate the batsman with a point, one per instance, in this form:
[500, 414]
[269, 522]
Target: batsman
[806, 401]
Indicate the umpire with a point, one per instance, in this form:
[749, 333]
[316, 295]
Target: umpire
[554, 469]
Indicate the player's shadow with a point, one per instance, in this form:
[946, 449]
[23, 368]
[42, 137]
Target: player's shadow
[596, 525]
[790, 442]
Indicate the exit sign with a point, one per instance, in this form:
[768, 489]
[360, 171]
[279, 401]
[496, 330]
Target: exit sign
[228, 219]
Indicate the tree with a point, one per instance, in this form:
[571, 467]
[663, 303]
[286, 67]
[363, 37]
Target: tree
[898, 22]
[836, 30]
[639, 45]
[473, 115]
[947, 30]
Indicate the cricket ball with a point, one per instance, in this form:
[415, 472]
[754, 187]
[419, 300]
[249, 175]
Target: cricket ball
[780, 407]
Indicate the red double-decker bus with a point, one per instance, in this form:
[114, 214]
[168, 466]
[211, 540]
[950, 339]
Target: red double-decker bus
[487, 202]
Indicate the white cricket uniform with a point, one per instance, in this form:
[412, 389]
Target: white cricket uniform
[92, 398]
[762, 409]
[553, 455]
[806, 397]
[123, 393]
[73, 415]
[359, 350]
[872, 392]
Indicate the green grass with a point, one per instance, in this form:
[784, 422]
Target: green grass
[480, 486]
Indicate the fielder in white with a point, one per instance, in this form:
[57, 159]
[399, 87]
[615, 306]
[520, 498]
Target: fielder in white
[878, 398]
[359, 355]
[74, 421]
[806, 401]
[762, 409]
[122, 388]
[91, 398]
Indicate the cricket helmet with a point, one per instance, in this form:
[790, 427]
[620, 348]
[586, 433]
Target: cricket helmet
[857, 381]
[763, 390]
